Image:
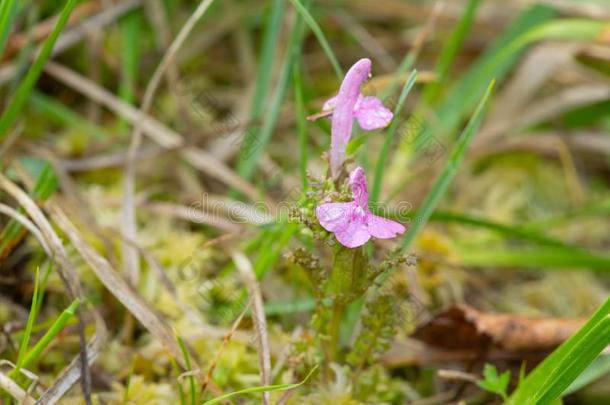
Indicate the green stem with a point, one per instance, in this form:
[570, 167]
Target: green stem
[334, 329]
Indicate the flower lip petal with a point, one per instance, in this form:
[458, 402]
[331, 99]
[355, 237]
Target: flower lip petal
[383, 228]
[372, 114]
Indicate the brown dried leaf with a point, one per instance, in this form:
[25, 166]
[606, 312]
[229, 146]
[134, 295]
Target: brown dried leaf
[462, 327]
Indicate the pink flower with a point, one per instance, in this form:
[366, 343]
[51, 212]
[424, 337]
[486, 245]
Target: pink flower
[349, 104]
[352, 222]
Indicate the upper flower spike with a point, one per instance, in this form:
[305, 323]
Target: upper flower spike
[349, 104]
[352, 222]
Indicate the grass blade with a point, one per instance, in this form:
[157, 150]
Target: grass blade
[385, 150]
[542, 257]
[315, 28]
[53, 331]
[7, 12]
[442, 183]
[255, 141]
[9, 116]
[597, 369]
[301, 124]
[554, 375]
[187, 362]
[25, 339]
[265, 388]
[46, 184]
[265, 69]
[450, 51]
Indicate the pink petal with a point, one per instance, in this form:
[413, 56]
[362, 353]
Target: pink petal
[371, 113]
[346, 220]
[330, 104]
[333, 215]
[357, 182]
[353, 233]
[383, 228]
[343, 113]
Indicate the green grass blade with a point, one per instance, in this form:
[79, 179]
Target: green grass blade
[54, 330]
[265, 68]
[385, 150]
[25, 339]
[10, 114]
[599, 368]
[442, 183]
[7, 13]
[509, 231]
[58, 112]
[536, 258]
[299, 101]
[255, 141]
[554, 375]
[130, 55]
[450, 51]
[315, 28]
[264, 388]
[187, 362]
[463, 96]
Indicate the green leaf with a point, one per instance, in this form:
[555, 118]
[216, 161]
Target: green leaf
[9, 116]
[492, 382]
[264, 388]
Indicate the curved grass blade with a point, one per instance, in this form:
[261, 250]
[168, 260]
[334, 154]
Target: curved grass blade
[264, 388]
[383, 156]
[315, 28]
[9, 116]
[442, 183]
[554, 375]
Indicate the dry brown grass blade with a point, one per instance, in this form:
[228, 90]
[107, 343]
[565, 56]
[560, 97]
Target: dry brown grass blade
[118, 286]
[537, 67]
[29, 225]
[159, 133]
[207, 378]
[70, 375]
[244, 267]
[546, 108]
[66, 269]
[131, 259]
[15, 390]
[191, 214]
